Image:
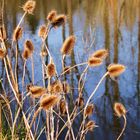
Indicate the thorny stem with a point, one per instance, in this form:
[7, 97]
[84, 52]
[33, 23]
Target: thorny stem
[23, 73]
[125, 122]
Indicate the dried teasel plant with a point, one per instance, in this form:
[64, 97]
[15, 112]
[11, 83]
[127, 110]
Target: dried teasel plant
[49, 101]
[120, 112]
[115, 70]
[17, 34]
[68, 45]
[51, 70]
[36, 91]
[29, 46]
[55, 88]
[80, 102]
[51, 15]
[89, 110]
[3, 53]
[94, 62]
[58, 21]
[102, 54]
[42, 31]
[62, 107]
[90, 125]
[29, 6]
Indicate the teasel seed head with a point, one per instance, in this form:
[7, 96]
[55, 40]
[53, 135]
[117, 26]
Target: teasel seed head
[42, 31]
[90, 125]
[115, 70]
[29, 46]
[51, 70]
[2, 33]
[37, 91]
[89, 110]
[3, 53]
[56, 87]
[119, 109]
[102, 54]
[68, 45]
[17, 34]
[51, 15]
[66, 87]
[80, 102]
[26, 54]
[49, 101]
[58, 21]
[94, 62]
[29, 6]
[62, 107]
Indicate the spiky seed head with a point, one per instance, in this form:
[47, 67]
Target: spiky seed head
[115, 70]
[90, 125]
[37, 91]
[49, 101]
[68, 45]
[80, 102]
[56, 87]
[3, 53]
[42, 31]
[58, 21]
[94, 62]
[51, 15]
[29, 6]
[119, 109]
[66, 87]
[89, 110]
[102, 54]
[51, 70]
[2, 33]
[62, 107]
[29, 45]
[26, 54]
[17, 34]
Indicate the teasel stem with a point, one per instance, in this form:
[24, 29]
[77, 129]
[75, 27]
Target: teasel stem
[19, 23]
[23, 76]
[16, 61]
[35, 115]
[84, 116]
[70, 124]
[95, 91]
[79, 83]
[10, 67]
[84, 63]
[15, 93]
[125, 122]
[32, 61]
[43, 76]
[14, 124]
[63, 63]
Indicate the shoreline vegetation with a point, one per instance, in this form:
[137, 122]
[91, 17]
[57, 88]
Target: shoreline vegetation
[51, 98]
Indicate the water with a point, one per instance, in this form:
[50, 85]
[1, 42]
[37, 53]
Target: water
[110, 24]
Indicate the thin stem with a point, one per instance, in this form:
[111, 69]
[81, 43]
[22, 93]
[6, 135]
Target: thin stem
[16, 62]
[32, 59]
[72, 68]
[125, 122]
[23, 73]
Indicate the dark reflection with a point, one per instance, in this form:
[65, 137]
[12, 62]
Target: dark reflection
[117, 28]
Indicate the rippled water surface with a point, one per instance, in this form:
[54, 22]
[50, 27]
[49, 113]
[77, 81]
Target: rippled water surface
[110, 24]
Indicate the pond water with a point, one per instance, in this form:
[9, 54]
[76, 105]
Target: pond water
[110, 24]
